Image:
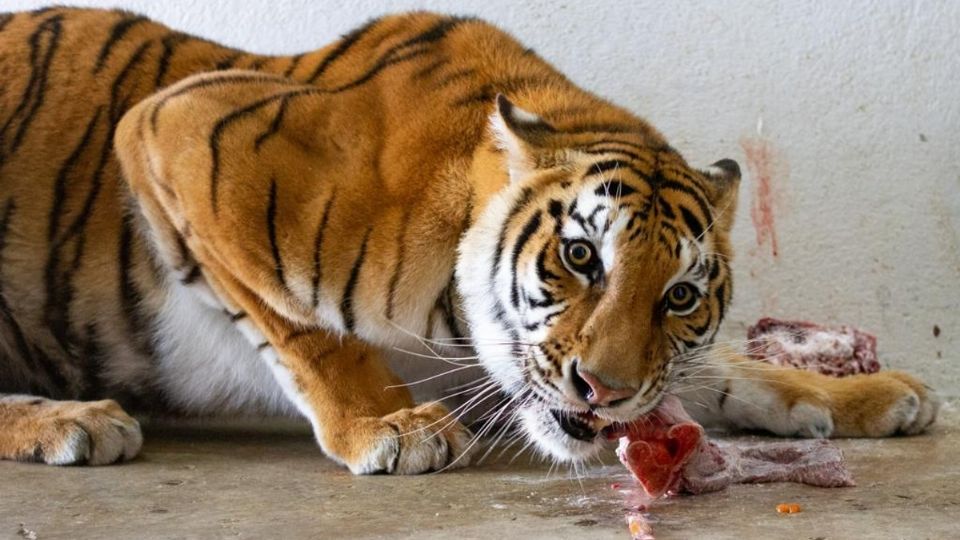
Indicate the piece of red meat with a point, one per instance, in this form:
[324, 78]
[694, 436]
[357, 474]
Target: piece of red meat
[831, 350]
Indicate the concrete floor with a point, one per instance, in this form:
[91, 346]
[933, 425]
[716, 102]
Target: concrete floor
[230, 481]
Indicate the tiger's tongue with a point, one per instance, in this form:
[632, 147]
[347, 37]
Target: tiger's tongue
[657, 446]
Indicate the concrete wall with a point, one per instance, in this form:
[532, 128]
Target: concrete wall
[845, 114]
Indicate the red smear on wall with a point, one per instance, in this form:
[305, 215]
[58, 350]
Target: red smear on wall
[762, 164]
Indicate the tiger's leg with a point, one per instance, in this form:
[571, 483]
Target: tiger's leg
[362, 415]
[246, 239]
[748, 394]
[66, 432]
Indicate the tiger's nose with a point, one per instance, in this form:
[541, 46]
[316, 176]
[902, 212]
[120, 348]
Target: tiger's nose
[594, 391]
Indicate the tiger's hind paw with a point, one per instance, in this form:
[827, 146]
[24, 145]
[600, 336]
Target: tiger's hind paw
[70, 432]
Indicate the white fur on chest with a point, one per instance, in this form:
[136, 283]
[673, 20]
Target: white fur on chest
[206, 366]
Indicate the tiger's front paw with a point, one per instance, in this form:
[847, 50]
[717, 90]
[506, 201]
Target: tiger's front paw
[74, 432]
[884, 404]
[412, 441]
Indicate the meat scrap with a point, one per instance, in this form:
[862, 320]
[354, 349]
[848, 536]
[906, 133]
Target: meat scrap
[837, 350]
[814, 462]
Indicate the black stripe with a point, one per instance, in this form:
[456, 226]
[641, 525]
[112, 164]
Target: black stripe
[714, 269]
[118, 106]
[116, 34]
[5, 18]
[542, 272]
[60, 185]
[455, 76]
[593, 214]
[93, 364]
[272, 233]
[228, 61]
[694, 224]
[378, 67]
[400, 53]
[274, 126]
[556, 212]
[662, 238]
[398, 268]
[697, 197]
[341, 49]
[699, 331]
[548, 299]
[346, 303]
[214, 81]
[554, 315]
[603, 128]
[666, 209]
[169, 44]
[192, 275]
[238, 316]
[723, 396]
[318, 249]
[531, 227]
[41, 58]
[720, 295]
[615, 189]
[294, 62]
[600, 149]
[431, 68]
[130, 297]
[483, 96]
[613, 140]
[224, 123]
[522, 202]
[614, 165]
[578, 217]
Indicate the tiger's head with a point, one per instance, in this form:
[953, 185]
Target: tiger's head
[603, 260]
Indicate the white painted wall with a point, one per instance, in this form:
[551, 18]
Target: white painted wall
[859, 102]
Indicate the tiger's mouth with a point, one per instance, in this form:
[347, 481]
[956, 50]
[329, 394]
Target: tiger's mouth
[585, 425]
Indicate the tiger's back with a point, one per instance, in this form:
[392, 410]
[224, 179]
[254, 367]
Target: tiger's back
[81, 297]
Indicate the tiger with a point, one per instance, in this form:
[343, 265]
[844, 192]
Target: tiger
[188, 229]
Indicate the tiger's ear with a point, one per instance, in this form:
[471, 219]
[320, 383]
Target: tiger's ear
[520, 135]
[723, 183]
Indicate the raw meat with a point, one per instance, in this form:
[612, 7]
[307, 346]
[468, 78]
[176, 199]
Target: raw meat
[668, 453]
[815, 462]
[838, 351]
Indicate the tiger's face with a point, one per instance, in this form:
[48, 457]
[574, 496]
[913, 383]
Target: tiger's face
[585, 278]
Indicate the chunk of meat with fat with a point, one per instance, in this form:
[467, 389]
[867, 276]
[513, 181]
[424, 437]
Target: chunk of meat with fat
[831, 350]
[669, 453]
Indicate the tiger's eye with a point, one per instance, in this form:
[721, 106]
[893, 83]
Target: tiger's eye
[681, 297]
[581, 255]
